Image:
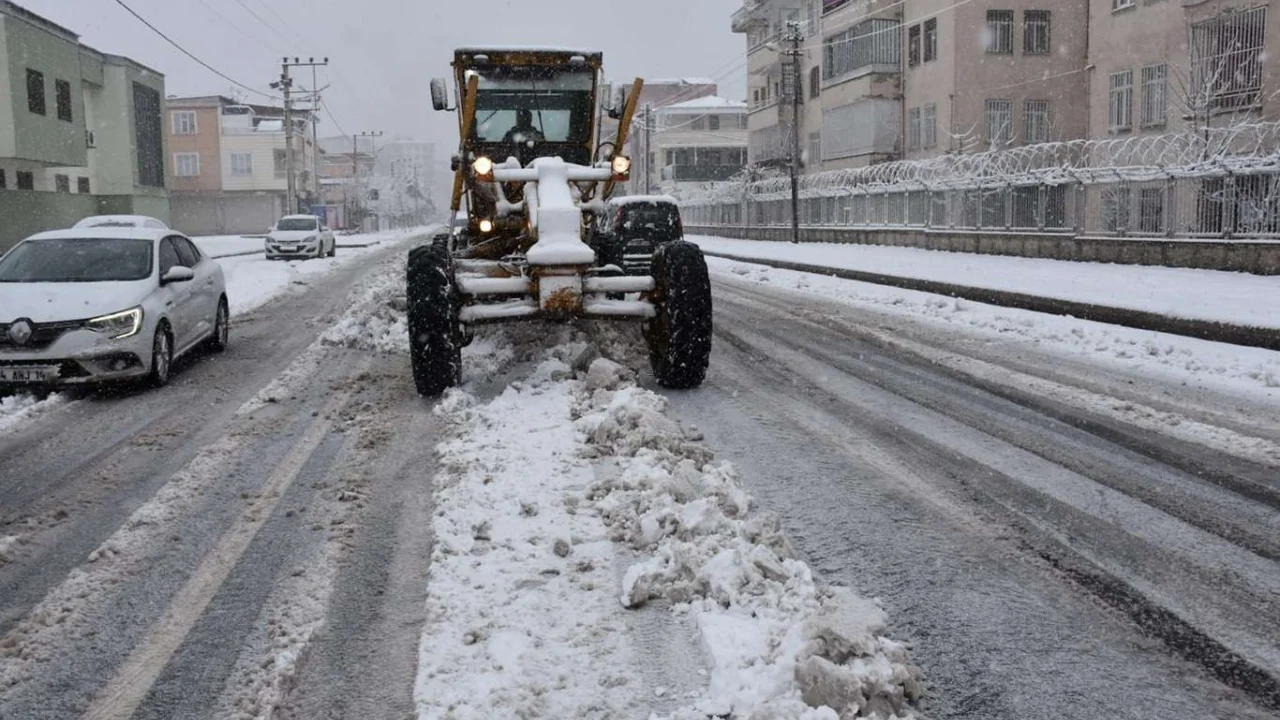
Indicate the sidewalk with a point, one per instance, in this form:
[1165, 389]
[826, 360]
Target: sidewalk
[1210, 295]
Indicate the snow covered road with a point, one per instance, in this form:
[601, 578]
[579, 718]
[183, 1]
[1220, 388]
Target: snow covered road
[992, 489]
[874, 502]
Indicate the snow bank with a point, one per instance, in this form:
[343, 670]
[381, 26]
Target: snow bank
[779, 644]
[23, 407]
[565, 474]
[1183, 359]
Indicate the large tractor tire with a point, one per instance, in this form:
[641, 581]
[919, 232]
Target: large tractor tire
[679, 335]
[435, 342]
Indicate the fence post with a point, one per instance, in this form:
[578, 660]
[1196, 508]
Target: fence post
[1008, 208]
[1042, 204]
[1170, 205]
[1229, 207]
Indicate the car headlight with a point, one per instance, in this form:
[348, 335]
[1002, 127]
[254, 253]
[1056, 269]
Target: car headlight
[313, 238]
[119, 326]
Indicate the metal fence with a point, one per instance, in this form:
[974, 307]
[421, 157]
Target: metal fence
[1222, 183]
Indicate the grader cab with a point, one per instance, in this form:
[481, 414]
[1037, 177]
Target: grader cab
[531, 173]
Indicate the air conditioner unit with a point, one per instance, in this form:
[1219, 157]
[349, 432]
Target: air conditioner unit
[90, 140]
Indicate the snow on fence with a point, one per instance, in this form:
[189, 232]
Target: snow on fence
[1214, 183]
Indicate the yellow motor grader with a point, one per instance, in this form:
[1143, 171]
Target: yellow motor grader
[534, 173]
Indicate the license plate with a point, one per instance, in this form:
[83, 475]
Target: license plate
[288, 248]
[25, 374]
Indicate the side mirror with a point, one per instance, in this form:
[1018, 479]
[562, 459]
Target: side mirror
[177, 273]
[439, 94]
[619, 102]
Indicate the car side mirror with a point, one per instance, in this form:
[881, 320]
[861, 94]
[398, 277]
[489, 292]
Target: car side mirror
[177, 273]
[439, 94]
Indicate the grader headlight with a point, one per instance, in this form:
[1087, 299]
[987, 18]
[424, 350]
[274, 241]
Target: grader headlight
[483, 167]
[486, 226]
[621, 168]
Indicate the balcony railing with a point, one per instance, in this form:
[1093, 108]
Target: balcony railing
[750, 14]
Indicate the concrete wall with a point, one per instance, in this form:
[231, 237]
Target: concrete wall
[27, 212]
[1260, 258]
[230, 214]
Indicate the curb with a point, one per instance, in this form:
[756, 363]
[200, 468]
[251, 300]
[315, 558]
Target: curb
[1246, 335]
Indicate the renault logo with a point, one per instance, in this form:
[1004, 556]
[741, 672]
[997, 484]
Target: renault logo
[20, 332]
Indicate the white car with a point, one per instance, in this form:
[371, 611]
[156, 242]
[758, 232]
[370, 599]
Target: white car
[91, 305]
[300, 236]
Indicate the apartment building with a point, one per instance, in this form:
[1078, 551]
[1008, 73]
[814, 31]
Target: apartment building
[917, 78]
[229, 159]
[80, 131]
[1161, 67]
[699, 142]
[658, 93]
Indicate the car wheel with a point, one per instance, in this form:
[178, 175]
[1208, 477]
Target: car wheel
[221, 328]
[333, 249]
[161, 358]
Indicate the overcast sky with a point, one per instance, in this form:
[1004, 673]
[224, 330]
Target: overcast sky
[384, 52]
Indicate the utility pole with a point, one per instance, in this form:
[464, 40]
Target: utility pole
[648, 152]
[795, 36]
[285, 86]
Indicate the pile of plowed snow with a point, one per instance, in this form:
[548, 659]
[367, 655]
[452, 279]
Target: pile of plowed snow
[549, 493]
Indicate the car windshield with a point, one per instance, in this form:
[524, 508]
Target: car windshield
[78, 260]
[660, 218]
[297, 224]
[558, 102]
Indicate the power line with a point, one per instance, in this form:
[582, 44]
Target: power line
[258, 17]
[186, 52]
[329, 113]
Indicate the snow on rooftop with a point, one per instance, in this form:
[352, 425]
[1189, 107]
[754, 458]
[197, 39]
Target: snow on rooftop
[526, 48]
[706, 103]
[680, 81]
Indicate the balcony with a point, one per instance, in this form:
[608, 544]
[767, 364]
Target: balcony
[752, 14]
[700, 173]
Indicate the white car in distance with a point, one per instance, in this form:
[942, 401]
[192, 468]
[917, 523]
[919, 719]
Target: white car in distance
[99, 304]
[300, 236]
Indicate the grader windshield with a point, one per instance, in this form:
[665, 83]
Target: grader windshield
[558, 102]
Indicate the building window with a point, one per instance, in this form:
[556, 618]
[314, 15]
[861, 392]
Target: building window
[815, 81]
[82, 186]
[930, 39]
[1037, 112]
[26, 180]
[913, 129]
[929, 123]
[35, 91]
[999, 31]
[1155, 104]
[699, 123]
[4, 182]
[186, 164]
[1121, 4]
[815, 13]
[999, 123]
[871, 42]
[148, 135]
[62, 93]
[241, 163]
[1035, 32]
[815, 149]
[1226, 60]
[184, 122]
[281, 160]
[913, 46]
[713, 122]
[62, 183]
[1120, 109]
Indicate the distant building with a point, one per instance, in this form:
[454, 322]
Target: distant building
[657, 93]
[699, 142]
[344, 179]
[230, 166]
[80, 133]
